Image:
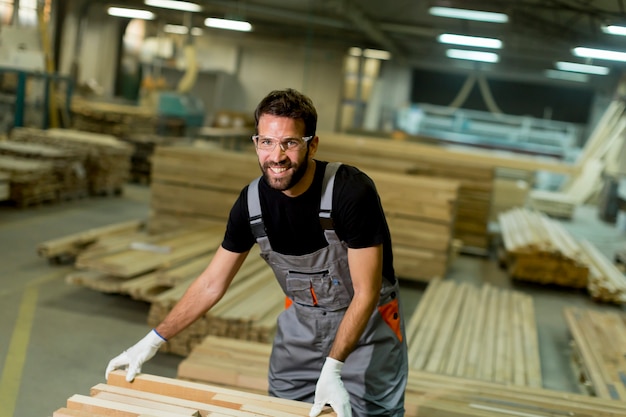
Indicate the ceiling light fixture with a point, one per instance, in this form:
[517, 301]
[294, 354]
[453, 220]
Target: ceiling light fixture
[614, 30]
[480, 16]
[599, 54]
[470, 41]
[376, 54]
[181, 30]
[584, 68]
[472, 55]
[564, 75]
[184, 6]
[130, 13]
[354, 51]
[228, 24]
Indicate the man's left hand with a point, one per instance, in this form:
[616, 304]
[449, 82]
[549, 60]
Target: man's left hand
[330, 390]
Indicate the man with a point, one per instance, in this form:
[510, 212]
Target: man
[322, 229]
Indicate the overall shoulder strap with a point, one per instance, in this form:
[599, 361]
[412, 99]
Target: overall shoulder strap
[326, 203]
[256, 218]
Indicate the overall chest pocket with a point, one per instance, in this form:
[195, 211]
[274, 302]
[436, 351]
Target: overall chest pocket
[317, 289]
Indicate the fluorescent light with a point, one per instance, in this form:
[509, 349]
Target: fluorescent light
[130, 13]
[470, 41]
[228, 24]
[182, 30]
[588, 69]
[469, 14]
[376, 54]
[354, 51]
[614, 30]
[599, 54]
[472, 55]
[174, 5]
[564, 75]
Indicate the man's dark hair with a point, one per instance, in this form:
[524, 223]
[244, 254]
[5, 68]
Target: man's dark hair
[288, 103]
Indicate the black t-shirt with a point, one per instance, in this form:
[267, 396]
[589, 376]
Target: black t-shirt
[293, 226]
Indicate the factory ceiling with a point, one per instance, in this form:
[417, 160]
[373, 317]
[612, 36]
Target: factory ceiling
[537, 34]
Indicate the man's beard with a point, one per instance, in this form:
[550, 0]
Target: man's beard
[283, 184]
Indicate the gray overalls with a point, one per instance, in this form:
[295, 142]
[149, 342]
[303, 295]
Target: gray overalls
[320, 289]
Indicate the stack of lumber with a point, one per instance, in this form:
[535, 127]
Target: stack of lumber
[427, 393]
[599, 350]
[474, 332]
[476, 180]
[421, 222]
[106, 159]
[112, 118]
[607, 282]
[586, 181]
[69, 166]
[539, 249]
[155, 396]
[30, 181]
[198, 183]
[248, 310]
[69, 246]
[143, 149]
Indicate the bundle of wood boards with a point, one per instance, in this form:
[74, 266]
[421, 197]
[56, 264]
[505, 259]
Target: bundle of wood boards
[106, 159]
[69, 166]
[599, 152]
[539, 249]
[599, 350]
[475, 332]
[427, 393]
[195, 184]
[155, 396]
[5, 183]
[112, 118]
[247, 311]
[143, 149]
[29, 181]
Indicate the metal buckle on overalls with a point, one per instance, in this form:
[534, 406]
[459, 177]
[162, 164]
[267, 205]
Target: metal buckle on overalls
[326, 220]
[257, 226]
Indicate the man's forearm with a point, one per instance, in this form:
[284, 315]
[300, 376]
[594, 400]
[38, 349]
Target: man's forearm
[352, 326]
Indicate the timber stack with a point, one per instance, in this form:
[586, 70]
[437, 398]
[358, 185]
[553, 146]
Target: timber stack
[484, 333]
[191, 185]
[68, 166]
[30, 182]
[106, 159]
[214, 362]
[155, 396]
[599, 350]
[539, 249]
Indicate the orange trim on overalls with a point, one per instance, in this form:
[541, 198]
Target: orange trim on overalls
[391, 315]
[288, 302]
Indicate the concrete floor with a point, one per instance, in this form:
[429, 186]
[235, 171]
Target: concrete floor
[56, 339]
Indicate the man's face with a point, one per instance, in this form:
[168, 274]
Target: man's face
[282, 169]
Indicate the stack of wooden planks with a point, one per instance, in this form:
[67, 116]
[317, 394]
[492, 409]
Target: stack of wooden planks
[427, 393]
[125, 258]
[599, 350]
[69, 166]
[476, 181]
[154, 396]
[30, 181]
[539, 249]
[606, 281]
[586, 179]
[143, 149]
[106, 159]
[112, 118]
[195, 184]
[248, 310]
[5, 181]
[474, 332]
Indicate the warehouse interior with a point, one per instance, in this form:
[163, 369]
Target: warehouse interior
[496, 140]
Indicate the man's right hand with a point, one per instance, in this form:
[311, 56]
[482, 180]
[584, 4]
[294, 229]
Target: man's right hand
[136, 356]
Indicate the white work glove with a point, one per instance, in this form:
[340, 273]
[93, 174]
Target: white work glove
[136, 356]
[330, 390]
